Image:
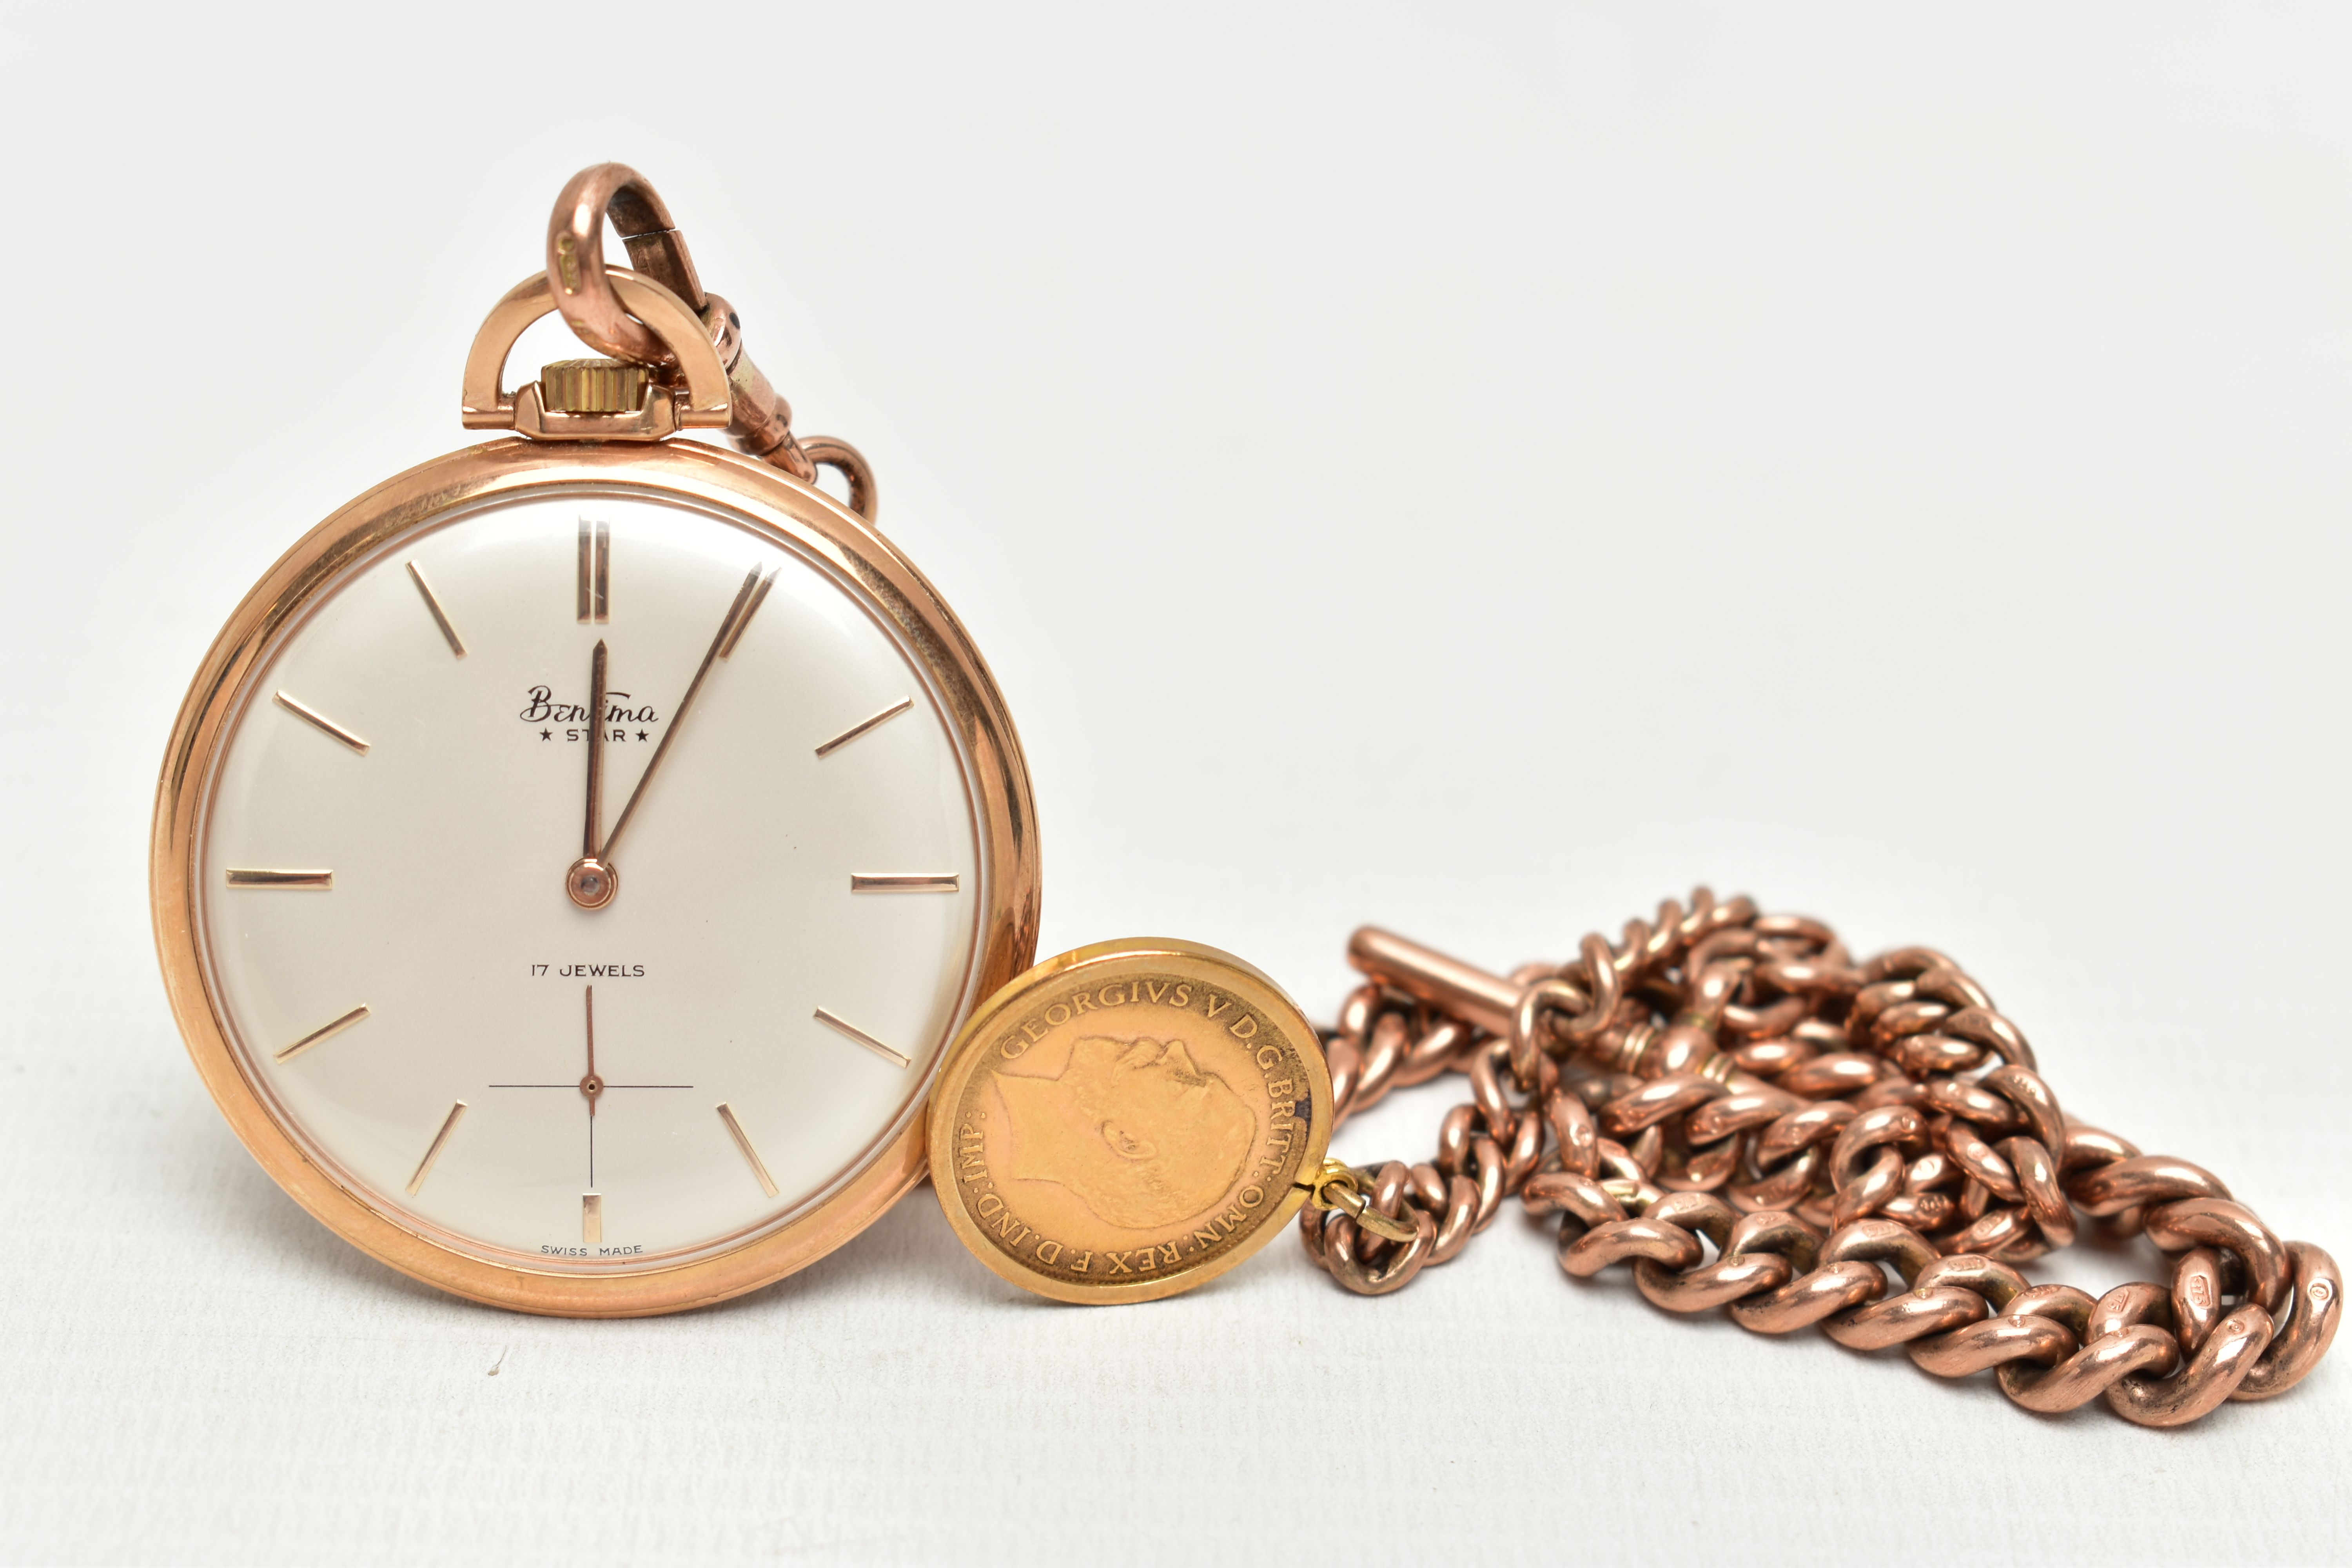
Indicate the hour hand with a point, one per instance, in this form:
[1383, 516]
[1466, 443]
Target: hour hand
[590, 882]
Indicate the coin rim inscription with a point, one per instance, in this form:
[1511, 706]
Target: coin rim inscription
[970, 1050]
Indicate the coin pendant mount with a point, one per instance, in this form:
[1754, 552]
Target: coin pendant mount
[1128, 1121]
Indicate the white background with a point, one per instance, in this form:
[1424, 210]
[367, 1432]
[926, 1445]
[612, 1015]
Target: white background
[1478, 471]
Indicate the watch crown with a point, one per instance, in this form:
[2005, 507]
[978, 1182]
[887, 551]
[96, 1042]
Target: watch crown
[592, 386]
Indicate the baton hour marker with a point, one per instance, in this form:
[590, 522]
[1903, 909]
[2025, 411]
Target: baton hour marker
[425, 1166]
[850, 1031]
[735, 632]
[751, 1155]
[319, 720]
[595, 600]
[440, 616]
[324, 1033]
[902, 881]
[865, 725]
[314, 880]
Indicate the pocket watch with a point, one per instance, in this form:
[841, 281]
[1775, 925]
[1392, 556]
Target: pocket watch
[574, 856]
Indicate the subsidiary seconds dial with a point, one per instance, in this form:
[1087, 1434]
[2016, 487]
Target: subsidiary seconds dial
[591, 878]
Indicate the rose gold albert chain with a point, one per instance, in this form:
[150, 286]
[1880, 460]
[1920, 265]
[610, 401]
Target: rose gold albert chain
[1737, 1076]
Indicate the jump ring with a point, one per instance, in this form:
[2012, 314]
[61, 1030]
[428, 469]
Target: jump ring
[576, 259]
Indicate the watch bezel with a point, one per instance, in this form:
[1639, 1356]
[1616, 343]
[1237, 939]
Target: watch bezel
[806, 520]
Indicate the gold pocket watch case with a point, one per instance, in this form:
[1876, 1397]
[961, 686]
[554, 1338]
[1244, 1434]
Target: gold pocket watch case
[574, 857]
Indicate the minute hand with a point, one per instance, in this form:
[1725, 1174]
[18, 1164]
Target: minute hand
[744, 596]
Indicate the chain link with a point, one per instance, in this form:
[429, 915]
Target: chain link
[1726, 1103]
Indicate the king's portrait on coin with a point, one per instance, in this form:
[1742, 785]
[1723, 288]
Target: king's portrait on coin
[1129, 1119]
[1133, 1127]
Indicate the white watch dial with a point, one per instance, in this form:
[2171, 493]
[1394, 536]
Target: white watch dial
[390, 828]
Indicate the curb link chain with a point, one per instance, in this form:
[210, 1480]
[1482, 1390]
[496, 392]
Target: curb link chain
[1727, 1082]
